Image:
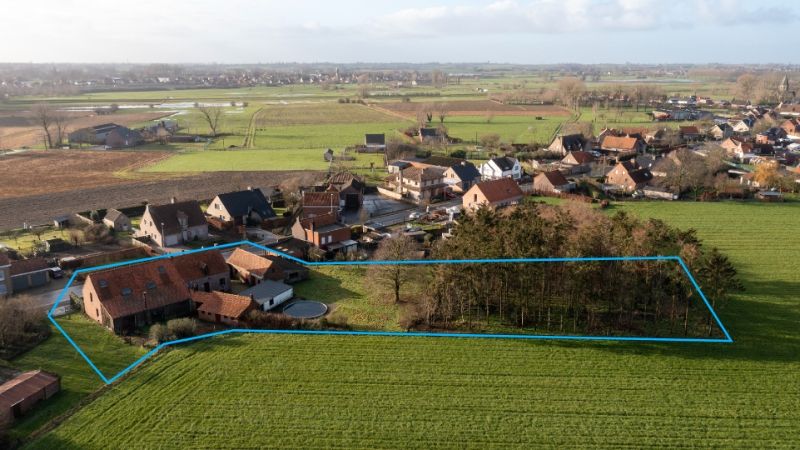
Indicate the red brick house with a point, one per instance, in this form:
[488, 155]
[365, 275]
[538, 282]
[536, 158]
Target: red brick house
[223, 308]
[205, 271]
[320, 203]
[553, 181]
[323, 231]
[622, 144]
[125, 298]
[628, 176]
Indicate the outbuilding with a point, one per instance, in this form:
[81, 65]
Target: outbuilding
[269, 294]
[21, 394]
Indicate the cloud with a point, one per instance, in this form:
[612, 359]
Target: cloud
[570, 16]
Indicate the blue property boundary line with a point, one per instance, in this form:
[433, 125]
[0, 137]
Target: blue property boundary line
[107, 380]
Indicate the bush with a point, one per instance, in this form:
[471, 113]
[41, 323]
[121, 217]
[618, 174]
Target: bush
[336, 319]
[182, 328]
[270, 321]
[459, 154]
[159, 333]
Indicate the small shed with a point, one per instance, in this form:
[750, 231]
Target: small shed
[116, 220]
[21, 394]
[269, 294]
[56, 245]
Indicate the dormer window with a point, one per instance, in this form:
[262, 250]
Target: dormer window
[162, 269]
[127, 291]
[103, 283]
[151, 285]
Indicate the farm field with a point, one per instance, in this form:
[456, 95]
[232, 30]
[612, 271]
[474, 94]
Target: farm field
[265, 160]
[39, 172]
[365, 392]
[514, 129]
[475, 108]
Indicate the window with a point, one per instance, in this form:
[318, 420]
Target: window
[91, 297]
[216, 205]
[151, 285]
[103, 283]
[162, 269]
[97, 312]
[2, 275]
[222, 281]
[127, 291]
[271, 301]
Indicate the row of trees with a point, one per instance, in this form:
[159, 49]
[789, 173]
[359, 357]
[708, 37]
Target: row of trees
[623, 297]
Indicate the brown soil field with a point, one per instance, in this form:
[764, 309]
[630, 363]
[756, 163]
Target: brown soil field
[42, 207]
[39, 172]
[19, 129]
[475, 108]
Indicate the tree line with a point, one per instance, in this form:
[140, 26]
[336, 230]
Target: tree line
[608, 298]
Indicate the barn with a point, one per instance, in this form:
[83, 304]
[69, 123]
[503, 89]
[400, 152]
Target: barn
[21, 394]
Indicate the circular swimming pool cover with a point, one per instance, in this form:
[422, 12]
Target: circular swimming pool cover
[305, 309]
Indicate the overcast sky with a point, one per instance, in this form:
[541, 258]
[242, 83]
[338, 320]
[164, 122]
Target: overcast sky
[516, 31]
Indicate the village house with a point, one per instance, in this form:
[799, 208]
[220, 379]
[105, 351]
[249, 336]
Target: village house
[579, 161]
[792, 128]
[117, 221]
[622, 145]
[689, 133]
[5, 276]
[174, 223]
[552, 181]
[770, 136]
[206, 270]
[721, 131]
[223, 308]
[564, 144]
[125, 298]
[493, 194]
[738, 149]
[628, 176]
[462, 176]
[375, 142]
[122, 137]
[22, 393]
[269, 294]
[27, 274]
[324, 231]
[502, 167]
[95, 135]
[418, 184]
[743, 126]
[432, 136]
[245, 207]
[251, 268]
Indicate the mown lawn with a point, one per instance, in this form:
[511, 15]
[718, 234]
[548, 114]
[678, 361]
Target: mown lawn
[513, 129]
[372, 392]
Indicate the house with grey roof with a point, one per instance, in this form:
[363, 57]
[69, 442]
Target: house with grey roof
[241, 207]
[174, 223]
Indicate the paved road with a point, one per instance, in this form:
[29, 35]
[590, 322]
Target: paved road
[45, 299]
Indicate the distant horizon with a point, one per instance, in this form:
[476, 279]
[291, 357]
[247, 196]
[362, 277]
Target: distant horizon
[519, 32]
[776, 65]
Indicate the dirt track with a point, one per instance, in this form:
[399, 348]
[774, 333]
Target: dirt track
[42, 208]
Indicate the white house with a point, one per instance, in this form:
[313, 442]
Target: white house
[269, 294]
[502, 167]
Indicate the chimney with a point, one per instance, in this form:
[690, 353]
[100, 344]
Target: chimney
[173, 200]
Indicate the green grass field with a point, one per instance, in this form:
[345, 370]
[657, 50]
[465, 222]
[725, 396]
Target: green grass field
[513, 129]
[365, 392]
[236, 160]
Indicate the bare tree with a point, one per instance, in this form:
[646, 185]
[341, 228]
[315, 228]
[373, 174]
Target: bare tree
[570, 90]
[746, 85]
[400, 248]
[44, 117]
[212, 115]
[60, 124]
[442, 110]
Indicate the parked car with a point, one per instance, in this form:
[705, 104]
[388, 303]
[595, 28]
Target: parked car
[415, 215]
[56, 272]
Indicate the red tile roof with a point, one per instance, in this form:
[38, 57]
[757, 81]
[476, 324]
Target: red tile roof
[132, 289]
[319, 199]
[251, 262]
[555, 178]
[619, 143]
[200, 265]
[582, 157]
[230, 305]
[500, 189]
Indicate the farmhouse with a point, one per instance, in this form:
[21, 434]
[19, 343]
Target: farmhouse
[502, 167]
[122, 137]
[792, 128]
[269, 294]
[28, 274]
[552, 181]
[223, 308]
[5, 276]
[689, 133]
[721, 131]
[252, 268]
[125, 298]
[110, 134]
[493, 194]
[737, 148]
[579, 161]
[21, 394]
[628, 176]
[569, 143]
[174, 223]
[241, 207]
[117, 221]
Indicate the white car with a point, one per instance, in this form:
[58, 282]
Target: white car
[414, 215]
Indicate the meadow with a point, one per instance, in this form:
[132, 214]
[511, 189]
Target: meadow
[371, 392]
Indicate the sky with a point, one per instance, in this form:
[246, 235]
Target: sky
[500, 31]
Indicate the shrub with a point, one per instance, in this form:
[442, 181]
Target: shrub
[182, 328]
[159, 333]
[459, 154]
[336, 319]
[270, 321]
